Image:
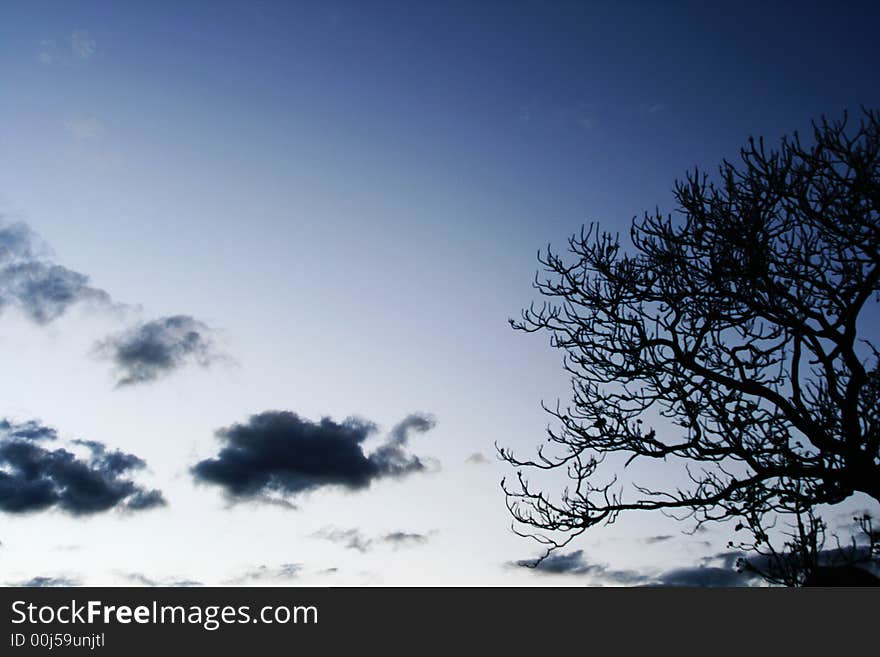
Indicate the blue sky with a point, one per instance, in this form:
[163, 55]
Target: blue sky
[352, 195]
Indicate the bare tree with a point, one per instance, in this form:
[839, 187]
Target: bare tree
[743, 323]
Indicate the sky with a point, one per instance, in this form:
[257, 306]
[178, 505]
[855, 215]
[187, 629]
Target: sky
[294, 211]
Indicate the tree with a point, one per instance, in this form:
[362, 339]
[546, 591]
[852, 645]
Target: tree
[744, 323]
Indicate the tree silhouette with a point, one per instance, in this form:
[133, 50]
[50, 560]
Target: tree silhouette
[742, 323]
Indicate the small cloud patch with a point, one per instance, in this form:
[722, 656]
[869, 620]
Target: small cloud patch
[154, 349]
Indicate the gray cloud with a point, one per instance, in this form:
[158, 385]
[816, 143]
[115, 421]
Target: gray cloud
[34, 478]
[153, 349]
[278, 453]
[716, 570]
[263, 573]
[41, 289]
[44, 291]
[477, 459]
[401, 539]
[705, 576]
[662, 538]
[43, 582]
[574, 563]
[354, 539]
[139, 579]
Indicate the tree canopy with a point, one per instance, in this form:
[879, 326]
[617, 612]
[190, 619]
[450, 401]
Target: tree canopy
[732, 339]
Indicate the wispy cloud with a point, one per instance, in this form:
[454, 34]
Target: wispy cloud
[354, 539]
[84, 128]
[78, 46]
[662, 538]
[263, 573]
[42, 581]
[139, 579]
[83, 45]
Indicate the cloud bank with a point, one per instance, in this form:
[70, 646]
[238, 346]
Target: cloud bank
[713, 571]
[278, 453]
[34, 478]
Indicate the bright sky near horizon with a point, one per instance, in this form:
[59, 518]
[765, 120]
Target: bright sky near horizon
[344, 201]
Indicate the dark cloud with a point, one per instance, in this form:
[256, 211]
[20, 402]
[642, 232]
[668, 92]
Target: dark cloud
[278, 453]
[401, 539]
[716, 570]
[156, 348]
[662, 538]
[41, 289]
[704, 576]
[574, 563]
[477, 459]
[42, 582]
[354, 539]
[34, 478]
[265, 573]
[30, 430]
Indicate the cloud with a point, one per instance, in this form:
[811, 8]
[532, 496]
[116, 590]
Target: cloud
[156, 348]
[48, 52]
[44, 291]
[704, 576]
[716, 570]
[139, 579]
[353, 539]
[401, 539]
[83, 45]
[43, 582]
[574, 563]
[265, 573]
[278, 453]
[79, 46]
[84, 128]
[662, 538]
[41, 289]
[34, 478]
[477, 459]
[348, 538]
[30, 430]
